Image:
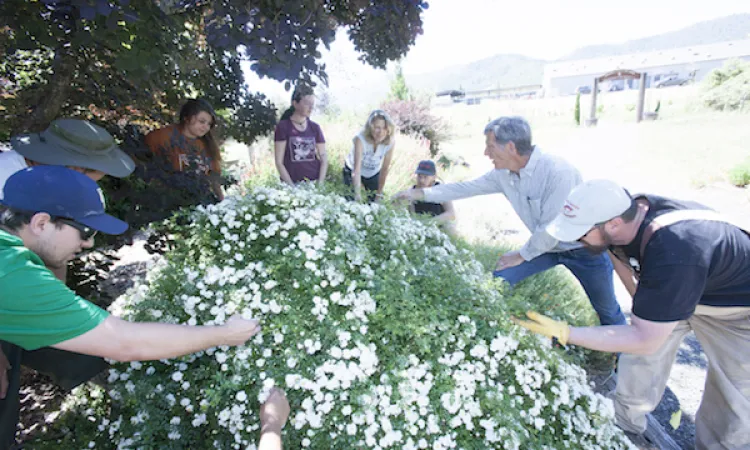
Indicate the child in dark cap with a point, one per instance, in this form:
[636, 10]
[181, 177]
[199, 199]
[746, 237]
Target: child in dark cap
[442, 212]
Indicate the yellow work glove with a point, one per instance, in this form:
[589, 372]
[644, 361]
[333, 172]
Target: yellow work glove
[546, 326]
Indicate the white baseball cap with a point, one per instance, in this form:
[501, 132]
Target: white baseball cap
[588, 204]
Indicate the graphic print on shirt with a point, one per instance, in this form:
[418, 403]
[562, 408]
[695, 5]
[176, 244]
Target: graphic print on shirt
[303, 148]
[371, 162]
[201, 164]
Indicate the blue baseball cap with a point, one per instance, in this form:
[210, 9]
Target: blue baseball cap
[426, 167]
[60, 192]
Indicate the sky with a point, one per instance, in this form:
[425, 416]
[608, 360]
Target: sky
[461, 31]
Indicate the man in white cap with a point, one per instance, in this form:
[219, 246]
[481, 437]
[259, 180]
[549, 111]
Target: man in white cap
[76, 144]
[693, 274]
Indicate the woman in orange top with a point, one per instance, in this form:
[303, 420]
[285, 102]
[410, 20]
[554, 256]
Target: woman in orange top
[189, 145]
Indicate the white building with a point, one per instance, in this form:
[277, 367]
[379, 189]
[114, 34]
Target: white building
[564, 77]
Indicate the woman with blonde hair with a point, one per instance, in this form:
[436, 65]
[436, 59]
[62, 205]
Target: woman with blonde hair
[368, 162]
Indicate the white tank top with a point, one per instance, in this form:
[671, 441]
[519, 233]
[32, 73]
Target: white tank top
[372, 158]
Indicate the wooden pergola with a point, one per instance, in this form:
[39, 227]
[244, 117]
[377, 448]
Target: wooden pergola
[620, 74]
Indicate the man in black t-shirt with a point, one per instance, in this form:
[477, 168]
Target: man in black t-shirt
[693, 270]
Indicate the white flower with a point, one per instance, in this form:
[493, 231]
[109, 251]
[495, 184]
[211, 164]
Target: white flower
[199, 420]
[279, 254]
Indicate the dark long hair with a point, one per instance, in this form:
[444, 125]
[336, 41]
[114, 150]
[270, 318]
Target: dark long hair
[193, 107]
[300, 91]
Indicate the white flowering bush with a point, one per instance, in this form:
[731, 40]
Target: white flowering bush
[382, 333]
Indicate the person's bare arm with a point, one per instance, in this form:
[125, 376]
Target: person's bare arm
[357, 169]
[323, 155]
[449, 215]
[218, 190]
[273, 416]
[641, 337]
[121, 340]
[624, 273]
[384, 170]
[279, 150]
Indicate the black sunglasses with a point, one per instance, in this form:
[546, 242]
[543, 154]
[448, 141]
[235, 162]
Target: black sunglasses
[86, 232]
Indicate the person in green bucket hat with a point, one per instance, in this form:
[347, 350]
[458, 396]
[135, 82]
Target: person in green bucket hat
[77, 144]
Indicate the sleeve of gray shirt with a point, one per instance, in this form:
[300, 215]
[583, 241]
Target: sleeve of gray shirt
[560, 180]
[486, 184]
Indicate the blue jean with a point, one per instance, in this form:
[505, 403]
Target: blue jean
[594, 272]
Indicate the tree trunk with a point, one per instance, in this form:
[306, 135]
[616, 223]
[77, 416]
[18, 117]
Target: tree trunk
[53, 95]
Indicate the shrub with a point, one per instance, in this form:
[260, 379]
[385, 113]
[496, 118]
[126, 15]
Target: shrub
[414, 117]
[382, 332]
[728, 88]
[739, 175]
[399, 88]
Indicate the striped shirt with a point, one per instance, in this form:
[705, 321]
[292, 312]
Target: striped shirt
[537, 194]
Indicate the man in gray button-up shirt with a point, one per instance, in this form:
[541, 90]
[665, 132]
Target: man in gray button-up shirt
[536, 185]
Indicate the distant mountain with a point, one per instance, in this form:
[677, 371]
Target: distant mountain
[495, 71]
[517, 70]
[710, 32]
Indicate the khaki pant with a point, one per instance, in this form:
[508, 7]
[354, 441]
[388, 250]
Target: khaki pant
[723, 418]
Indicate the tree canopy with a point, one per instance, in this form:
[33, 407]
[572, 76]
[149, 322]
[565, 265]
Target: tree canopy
[126, 61]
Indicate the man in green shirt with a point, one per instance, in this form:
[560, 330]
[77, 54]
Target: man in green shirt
[47, 216]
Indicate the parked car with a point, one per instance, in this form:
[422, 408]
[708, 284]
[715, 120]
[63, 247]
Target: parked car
[583, 90]
[671, 81]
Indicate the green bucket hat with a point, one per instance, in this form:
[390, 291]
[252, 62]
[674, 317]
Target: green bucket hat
[73, 142]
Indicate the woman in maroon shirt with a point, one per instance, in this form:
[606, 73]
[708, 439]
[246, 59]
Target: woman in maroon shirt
[300, 149]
